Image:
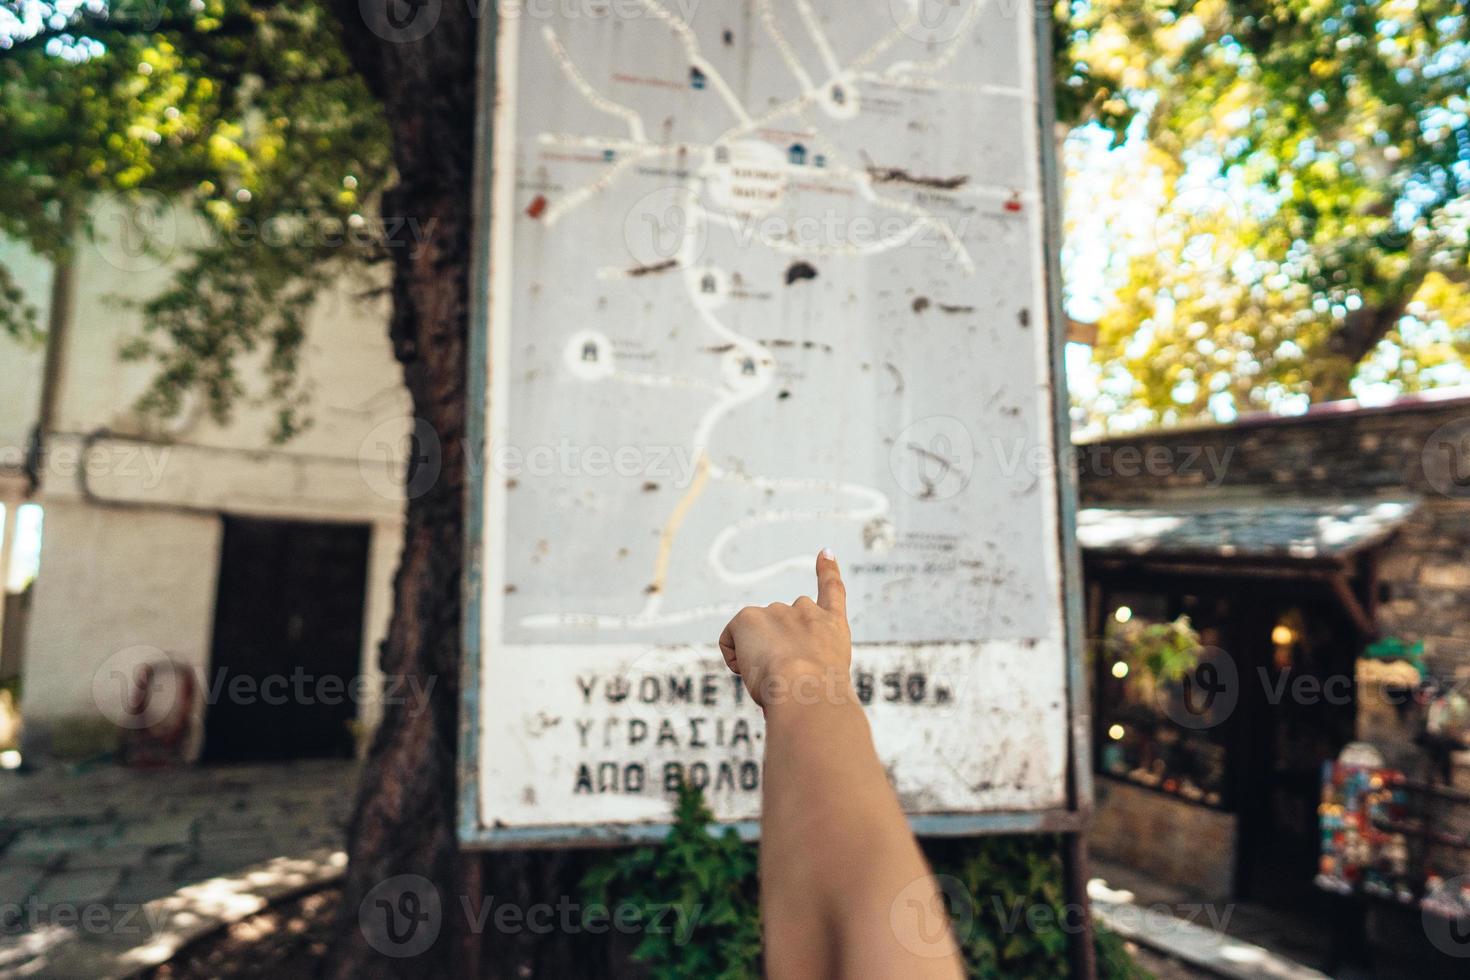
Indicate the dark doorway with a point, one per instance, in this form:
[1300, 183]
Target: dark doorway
[287, 640]
[1293, 651]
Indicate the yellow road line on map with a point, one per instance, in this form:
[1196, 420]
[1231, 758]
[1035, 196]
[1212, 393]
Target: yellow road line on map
[666, 536]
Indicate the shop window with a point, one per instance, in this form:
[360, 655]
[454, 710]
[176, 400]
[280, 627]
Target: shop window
[1161, 721]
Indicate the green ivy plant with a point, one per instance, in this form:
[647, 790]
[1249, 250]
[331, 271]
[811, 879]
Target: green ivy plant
[1161, 652]
[704, 885]
[700, 886]
[1010, 910]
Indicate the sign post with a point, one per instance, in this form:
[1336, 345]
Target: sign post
[756, 279]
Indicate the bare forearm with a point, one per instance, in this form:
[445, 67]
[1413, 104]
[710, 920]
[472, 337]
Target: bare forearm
[836, 852]
[844, 889]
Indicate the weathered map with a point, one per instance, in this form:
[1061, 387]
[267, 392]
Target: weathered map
[767, 277]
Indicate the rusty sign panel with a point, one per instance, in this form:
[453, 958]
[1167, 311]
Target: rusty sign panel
[762, 278]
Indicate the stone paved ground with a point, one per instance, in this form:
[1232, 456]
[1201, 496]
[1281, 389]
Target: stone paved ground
[100, 843]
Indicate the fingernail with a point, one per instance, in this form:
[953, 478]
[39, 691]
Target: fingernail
[829, 554]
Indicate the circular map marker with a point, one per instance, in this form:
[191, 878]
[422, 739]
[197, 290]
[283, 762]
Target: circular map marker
[589, 355]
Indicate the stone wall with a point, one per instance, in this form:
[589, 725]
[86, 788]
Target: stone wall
[1415, 447]
[1182, 843]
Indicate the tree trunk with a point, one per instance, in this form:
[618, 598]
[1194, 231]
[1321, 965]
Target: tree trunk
[1356, 337]
[404, 823]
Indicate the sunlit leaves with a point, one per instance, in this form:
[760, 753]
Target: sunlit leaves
[249, 117]
[1340, 132]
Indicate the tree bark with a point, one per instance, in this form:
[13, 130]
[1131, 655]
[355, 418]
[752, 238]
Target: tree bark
[405, 817]
[404, 822]
[1360, 332]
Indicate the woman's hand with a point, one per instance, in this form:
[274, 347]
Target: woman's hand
[794, 653]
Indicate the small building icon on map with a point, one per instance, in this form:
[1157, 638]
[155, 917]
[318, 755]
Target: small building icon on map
[589, 351]
[796, 154]
[696, 77]
[707, 283]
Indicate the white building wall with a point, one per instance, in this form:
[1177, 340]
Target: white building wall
[132, 537]
[113, 581]
[21, 359]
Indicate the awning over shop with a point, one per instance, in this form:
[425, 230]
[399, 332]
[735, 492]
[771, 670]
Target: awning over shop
[1317, 540]
[1244, 529]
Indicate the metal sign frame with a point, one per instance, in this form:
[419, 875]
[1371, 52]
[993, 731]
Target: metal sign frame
[1071, 819]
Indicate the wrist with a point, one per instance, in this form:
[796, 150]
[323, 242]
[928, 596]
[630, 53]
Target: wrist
[804, 685]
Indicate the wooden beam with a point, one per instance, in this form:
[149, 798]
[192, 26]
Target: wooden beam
[1081, 333]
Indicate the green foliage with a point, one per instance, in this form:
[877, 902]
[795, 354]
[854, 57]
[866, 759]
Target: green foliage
[1005, 896]
[701, 886]
[1113, 959]
[1303, 182]
[1161, 652]
[230, 139]
[1010, 911]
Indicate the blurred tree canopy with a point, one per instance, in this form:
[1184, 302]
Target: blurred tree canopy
[1301, 220]
[232, 137]
[1311, 163]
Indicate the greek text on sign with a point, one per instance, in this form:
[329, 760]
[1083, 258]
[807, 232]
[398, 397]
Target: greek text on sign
[766, 278]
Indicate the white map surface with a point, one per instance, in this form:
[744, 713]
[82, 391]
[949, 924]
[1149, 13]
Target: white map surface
[767, 277]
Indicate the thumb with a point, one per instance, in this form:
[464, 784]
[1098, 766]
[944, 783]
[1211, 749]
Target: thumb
[831, 593]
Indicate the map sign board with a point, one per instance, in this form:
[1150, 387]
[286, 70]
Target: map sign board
[760, 278]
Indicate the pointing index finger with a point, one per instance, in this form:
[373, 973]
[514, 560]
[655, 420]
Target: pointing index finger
[831, 593]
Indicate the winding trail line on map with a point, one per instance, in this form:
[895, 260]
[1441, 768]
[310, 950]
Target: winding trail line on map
[635, 149]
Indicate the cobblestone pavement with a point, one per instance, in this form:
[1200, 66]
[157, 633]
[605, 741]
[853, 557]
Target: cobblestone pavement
[98, 844]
